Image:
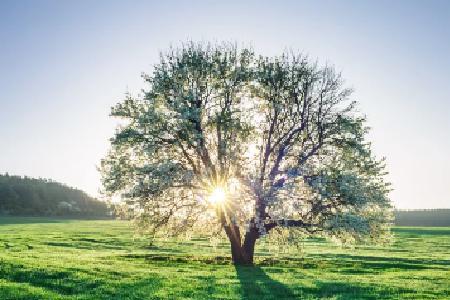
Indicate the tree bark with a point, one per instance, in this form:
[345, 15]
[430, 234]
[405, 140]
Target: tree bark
[249, 243]
[241, 254]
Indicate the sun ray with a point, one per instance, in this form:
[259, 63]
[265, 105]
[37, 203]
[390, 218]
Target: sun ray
[217, 196]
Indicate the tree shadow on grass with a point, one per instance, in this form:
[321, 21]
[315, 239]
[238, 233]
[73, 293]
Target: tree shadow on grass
[384, 263]
[256, 284]
[77, 283]
[418, 231]
[348, 291]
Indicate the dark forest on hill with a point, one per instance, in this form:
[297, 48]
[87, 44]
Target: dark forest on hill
[423, 217]
[24, 196]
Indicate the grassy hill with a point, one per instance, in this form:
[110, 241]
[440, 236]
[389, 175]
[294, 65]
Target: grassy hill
[42, 197]
[43, 258]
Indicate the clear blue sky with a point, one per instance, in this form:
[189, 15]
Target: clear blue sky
[63, 64]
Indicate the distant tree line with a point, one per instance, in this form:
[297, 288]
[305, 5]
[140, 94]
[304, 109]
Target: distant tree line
[24, 196]
[422, 217]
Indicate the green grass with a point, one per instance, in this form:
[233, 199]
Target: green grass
[68, 259]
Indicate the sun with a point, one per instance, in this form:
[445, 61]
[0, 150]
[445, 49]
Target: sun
[217, 195]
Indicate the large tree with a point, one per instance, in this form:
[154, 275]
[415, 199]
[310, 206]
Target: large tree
[249, 145]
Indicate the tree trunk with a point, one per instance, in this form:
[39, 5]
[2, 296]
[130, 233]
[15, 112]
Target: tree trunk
[241, 254]
[249, 243]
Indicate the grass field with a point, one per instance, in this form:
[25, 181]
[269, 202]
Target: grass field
[68, 259]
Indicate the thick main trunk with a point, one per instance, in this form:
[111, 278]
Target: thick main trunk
[237, 254]
[241, 254]
[249, 243]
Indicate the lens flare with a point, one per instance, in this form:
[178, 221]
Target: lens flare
[218, 195]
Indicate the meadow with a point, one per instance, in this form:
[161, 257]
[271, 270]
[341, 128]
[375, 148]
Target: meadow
[43, 258]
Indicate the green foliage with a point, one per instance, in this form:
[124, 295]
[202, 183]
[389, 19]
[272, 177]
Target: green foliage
[42, 197]
[90, 260]
[279, 134]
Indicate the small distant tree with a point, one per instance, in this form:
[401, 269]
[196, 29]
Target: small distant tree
[248, 145]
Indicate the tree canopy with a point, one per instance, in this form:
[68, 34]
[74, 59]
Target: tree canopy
[225, 139]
